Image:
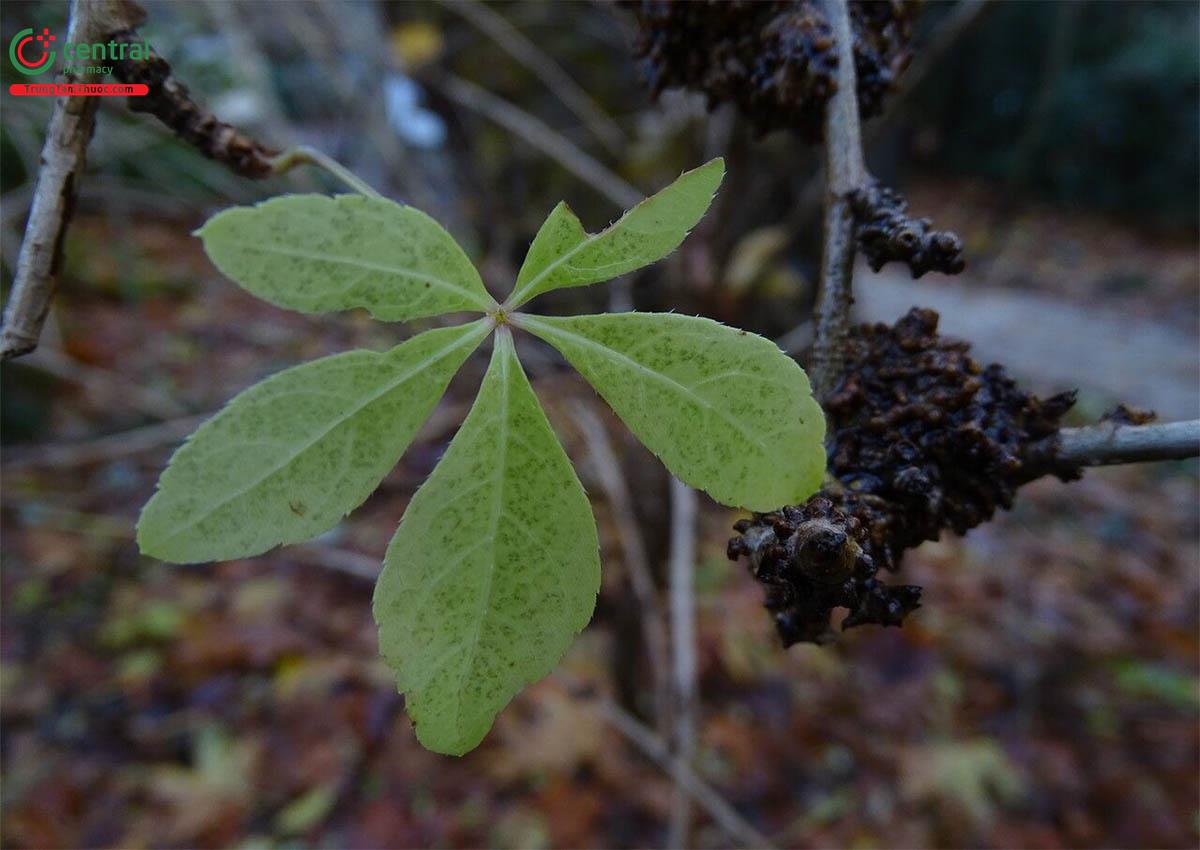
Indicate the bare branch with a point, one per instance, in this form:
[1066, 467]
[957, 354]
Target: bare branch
[66, 455]
[844, 172]
[518, 46]
[682, 582]
[106, 385]
[1108, 444]
[633, 550]
[64, 157]
[960, 21]
[655, 748]
[544, 138]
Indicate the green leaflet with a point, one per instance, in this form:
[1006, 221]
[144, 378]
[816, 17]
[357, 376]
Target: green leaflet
[724, 409]
[493, 570]
[316, 254]
[289, 457]
[495, 565]
[563, 255]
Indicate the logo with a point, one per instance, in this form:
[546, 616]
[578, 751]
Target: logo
[22, 51]
[82, 77]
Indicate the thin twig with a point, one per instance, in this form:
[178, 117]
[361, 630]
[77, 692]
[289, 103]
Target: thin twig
[965, 16]
[681, 570]
[544, 138]
[521, 48]
[655, 748]
[607, 470]
[1107, 444]
[106, 384]
[64, 157]
[66, 455]
[844, 172]
[354, 564]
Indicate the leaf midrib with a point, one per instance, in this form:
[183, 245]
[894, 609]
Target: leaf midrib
[341, 420]
[503, 341]
[520, 297]
[534, 325]
[441, 283]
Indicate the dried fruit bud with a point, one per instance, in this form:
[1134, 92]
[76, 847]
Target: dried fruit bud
[946, 457]
[885, 234]
[775, 60]
[825, 552]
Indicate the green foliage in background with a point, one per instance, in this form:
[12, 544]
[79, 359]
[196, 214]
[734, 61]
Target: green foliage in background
[495, 566]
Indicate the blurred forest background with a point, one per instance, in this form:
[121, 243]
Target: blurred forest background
[1046, 695]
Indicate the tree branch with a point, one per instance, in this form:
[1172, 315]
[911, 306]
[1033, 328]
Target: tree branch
[525, 51]
[537, 133]
[682, 573]
[607, 470]
[655, 748]
[64, 157]
[1108, 444]
[65, 153]
[844, 172]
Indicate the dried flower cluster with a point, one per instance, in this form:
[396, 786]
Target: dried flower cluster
[885, 234]
[170, 102]
[923, 439]
[775, 60]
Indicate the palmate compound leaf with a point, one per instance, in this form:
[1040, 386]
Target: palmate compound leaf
[317, 254]
[495, 565]
[289, 457]
[563, 255]
[494, 569]
[725, 410]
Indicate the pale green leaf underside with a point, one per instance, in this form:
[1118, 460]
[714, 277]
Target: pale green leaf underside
[563, 255]
[317, 254]
[724, 409]
[493, 570]
[289, 457]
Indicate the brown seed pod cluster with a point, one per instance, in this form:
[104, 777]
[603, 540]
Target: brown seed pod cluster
[776, 60]
[882, 30]
[815, 557]
[885, 234]
[169, 101]
[923, 439]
